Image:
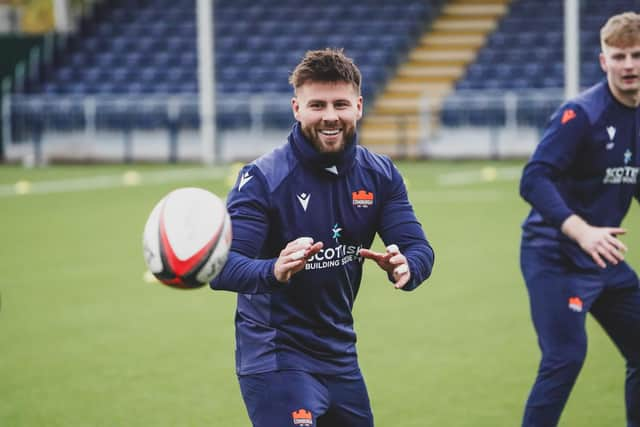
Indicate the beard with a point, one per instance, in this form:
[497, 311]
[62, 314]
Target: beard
[315, 138]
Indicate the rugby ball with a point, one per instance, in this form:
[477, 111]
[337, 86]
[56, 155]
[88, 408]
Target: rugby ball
[187, 237]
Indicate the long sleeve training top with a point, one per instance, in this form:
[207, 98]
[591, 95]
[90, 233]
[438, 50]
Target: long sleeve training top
[586, 164]
[343, 201]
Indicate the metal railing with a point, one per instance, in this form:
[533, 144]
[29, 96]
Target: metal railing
[40, 124]
[34, 124]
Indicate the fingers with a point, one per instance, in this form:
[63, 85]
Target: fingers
[616, 243]
[393, 249]
[608, 248]
[392, 261]
[301, 248]
[612, 250]
[369, 254]
[602, 244]
[398, 262]
[617, 231]
[596, 257]
[401, 274]
[294, 256]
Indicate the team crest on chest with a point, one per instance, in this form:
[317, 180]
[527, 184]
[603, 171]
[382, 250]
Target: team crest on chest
[302, 418]
[362, 198]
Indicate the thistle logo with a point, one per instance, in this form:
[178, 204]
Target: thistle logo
[302, 417]
[627, 156]
[336, 232]
[575, 304]
[336, 256]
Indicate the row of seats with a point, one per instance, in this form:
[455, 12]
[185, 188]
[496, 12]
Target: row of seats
[526, 52]
[527, 49]
[70, 114]
[138, 47]
[148, 47]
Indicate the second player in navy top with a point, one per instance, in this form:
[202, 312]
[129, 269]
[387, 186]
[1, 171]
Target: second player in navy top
[580, 183]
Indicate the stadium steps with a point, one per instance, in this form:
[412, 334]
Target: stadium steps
[430, 72]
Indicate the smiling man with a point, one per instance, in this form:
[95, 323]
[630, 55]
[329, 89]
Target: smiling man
[303, 218]
[580, 182]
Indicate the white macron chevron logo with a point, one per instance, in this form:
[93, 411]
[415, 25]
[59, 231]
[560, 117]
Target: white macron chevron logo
[303, 198]
[244, 179]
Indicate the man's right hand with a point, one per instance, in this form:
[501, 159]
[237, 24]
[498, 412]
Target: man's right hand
[601, 243]
[294, 256]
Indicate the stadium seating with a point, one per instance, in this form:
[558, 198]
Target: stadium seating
[526, 53]
[149, 47]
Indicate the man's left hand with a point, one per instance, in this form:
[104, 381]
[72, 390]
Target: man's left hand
[393, 262]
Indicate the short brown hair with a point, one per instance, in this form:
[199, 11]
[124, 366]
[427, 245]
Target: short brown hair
[326, 65]
[622, 31]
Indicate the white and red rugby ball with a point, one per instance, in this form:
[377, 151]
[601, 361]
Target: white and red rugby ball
[187, 237]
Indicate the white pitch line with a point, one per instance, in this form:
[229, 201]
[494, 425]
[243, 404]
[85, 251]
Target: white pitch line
[127, 179]
[486, 174]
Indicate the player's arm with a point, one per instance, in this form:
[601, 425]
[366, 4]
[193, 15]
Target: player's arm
[551, 159]
[248, 206]
[408, 258]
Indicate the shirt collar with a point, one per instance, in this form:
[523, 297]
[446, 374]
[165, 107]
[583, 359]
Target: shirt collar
[336, 164]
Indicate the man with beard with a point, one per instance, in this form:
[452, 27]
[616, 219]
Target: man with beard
[303, 219]
[580, 183]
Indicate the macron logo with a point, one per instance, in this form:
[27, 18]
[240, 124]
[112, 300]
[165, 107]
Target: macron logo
[303, 198]
[244, 179]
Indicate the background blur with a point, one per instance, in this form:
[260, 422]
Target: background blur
[100, 118]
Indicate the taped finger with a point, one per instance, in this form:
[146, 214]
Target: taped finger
[393, 249]
[401, 269]
[305, 240]
[298, 254]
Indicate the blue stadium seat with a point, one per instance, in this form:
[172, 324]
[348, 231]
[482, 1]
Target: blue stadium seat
[526, 50]
[143, 47]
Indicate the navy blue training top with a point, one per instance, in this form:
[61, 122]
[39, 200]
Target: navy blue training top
[587, 164]
[343, 201]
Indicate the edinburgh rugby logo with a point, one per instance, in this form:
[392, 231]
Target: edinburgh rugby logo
[362, 198]
[302, 418]
[575, 304]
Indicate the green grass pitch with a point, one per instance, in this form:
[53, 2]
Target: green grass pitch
[85, 341]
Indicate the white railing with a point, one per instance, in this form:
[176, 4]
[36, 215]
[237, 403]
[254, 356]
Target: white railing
[166, 127]
[486, 124]
[161, 127]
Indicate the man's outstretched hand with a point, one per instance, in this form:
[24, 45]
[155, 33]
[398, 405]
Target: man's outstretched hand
[393, 262]
[293, 257]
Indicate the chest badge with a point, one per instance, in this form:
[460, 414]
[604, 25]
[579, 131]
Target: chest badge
[362, 198]
[627, 156]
